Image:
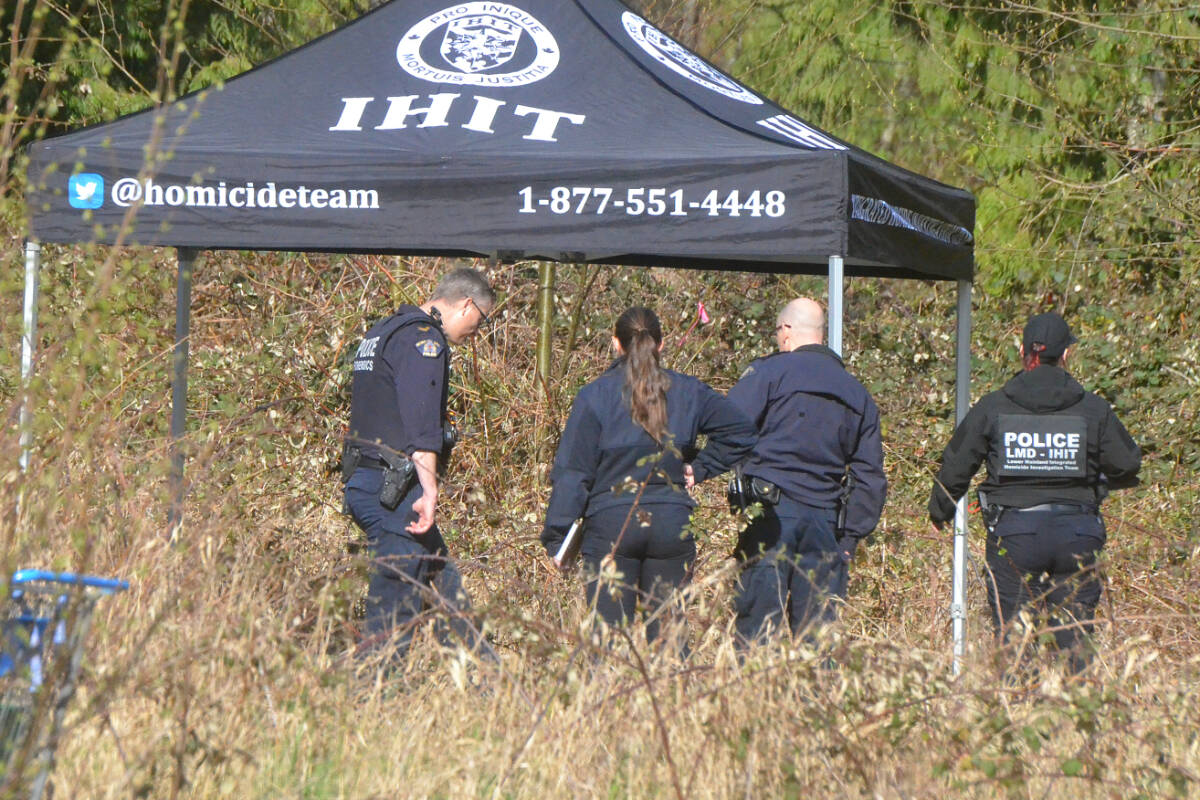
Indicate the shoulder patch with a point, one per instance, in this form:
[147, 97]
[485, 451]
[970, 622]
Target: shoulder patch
[749, 370]
[429, 348]
[422, 328]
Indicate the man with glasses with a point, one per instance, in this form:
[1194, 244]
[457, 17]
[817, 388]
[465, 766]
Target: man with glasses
[817, 471]
[483, 318]
[398, 433]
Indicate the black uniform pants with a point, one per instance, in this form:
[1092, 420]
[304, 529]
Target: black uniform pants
[792, 569]
[408, 570]
[1047, 560]
[653, 557]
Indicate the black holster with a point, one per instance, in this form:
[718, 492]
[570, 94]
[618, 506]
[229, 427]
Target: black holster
[351, 456]
[743, 491]
[843, 505]
[736, 492]
[398, 475]
[449, 441]
[990, 512]
[763, 491]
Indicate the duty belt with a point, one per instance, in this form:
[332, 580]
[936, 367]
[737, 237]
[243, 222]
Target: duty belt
[353, 457]
[372, 463]
[1076, 508]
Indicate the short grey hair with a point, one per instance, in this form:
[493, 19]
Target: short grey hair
[465, 282]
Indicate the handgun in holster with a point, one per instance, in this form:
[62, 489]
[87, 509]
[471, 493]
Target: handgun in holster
[397, 477]
[843, 505]
[737, 492]
[743, 491]
[990, 512]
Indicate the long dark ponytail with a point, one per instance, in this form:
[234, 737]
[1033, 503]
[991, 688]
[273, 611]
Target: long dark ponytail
[640, 336]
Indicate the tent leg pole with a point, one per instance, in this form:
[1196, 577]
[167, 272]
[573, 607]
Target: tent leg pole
[545, 342]
[962, 402]
[33, 260]
[183, 322]
[836, 279]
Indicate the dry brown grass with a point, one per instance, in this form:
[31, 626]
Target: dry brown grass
[223, 672]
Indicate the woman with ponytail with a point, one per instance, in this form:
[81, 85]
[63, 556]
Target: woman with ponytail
[621, 467]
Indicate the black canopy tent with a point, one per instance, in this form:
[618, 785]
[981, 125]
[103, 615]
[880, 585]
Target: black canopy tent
[562, 130]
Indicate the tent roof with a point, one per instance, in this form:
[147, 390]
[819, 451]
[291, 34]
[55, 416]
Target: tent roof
[563, 129]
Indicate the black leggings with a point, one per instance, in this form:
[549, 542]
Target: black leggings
[653, 558]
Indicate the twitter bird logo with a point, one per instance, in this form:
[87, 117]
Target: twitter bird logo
[86, 190]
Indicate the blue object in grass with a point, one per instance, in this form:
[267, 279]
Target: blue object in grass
[105, 585]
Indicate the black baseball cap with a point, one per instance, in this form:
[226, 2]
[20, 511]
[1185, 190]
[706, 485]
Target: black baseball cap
[1047, 335]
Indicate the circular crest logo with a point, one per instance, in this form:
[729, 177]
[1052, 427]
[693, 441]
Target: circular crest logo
[677, 58]
[479, 44]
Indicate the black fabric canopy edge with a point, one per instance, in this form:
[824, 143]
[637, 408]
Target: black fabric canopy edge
[957, 267]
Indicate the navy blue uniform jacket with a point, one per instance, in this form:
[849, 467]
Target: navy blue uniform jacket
[815, 423]
[603, 454]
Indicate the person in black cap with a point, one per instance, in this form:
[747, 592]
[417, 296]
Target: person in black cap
[399, 437]
[1053, 450]
[627, 454]
[817, 470]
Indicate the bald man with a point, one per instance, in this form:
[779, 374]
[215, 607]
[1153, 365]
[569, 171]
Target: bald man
[818, 452]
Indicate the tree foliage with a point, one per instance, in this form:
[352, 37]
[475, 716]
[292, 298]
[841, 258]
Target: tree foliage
[78, 62]
[227, 670]
[1078, 128]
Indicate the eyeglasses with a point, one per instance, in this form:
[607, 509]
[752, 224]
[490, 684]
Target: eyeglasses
[483, 318]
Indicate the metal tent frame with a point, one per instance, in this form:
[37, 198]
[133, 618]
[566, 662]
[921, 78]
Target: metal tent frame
[186, 258]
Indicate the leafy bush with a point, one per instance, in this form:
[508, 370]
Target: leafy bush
[226, 670]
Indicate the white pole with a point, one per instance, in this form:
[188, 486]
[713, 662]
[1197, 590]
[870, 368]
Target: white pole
[962, 402]
[33, 258]
[836, 276]
[958, 602]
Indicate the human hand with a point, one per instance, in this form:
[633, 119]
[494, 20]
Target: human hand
[689, 477]
[551, 558]
[426, 507]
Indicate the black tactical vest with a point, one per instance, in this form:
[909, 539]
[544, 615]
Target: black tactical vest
[376, 414]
